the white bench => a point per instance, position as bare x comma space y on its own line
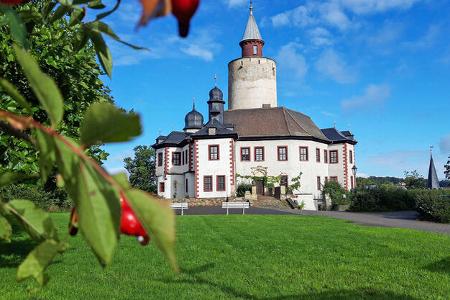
181, 206
242, 205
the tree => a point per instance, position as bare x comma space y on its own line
99, 198
413, 180
142, 169
76, 73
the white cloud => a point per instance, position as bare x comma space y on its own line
236, 3
320, 37
335, 13
375, 6
291, 60
444, 144
198, 51
373, 96
332, 65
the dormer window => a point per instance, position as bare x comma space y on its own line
255, 50
212, 131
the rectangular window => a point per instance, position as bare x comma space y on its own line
162, 187
207, 183
318, 155
282, 153
325, 156
160, 159
245, 154
319, 185
220, 182
182, 158
213, 152
259, 153
187, 156
255, 50
334, 178
186, 187
351, 156
176, 158
333, 157
303, 153
284, 180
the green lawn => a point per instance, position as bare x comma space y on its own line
263, 257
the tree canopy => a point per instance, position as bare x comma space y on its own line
75, 71
142, 169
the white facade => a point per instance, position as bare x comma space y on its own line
252, 83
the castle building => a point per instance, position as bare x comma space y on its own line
210, 158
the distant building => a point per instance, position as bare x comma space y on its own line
203, 160
433, 180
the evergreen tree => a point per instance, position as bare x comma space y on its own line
142, 168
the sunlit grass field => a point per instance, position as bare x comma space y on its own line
249, 257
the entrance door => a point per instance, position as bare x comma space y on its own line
259, 186
284, 180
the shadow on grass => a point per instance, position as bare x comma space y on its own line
441, 266
12, 254
194, 279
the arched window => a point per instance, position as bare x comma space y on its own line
255, 50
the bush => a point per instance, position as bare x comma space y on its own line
56, 200
337, 193
242, 188
433, 205
383, 198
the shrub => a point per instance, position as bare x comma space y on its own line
56, 200
337, 193
383, 198
242, 188
433, 205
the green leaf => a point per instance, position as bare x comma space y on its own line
103, 52
35, 221
105, 123
47, 154
122, 180
38, 260
96, 201
103, 27
96, 4
15, 94
61, 11
158, 219
6, 178
5, 229
76, 16
43, 86
17, 28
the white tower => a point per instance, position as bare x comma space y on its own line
252, 79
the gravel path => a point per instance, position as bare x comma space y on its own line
403, 219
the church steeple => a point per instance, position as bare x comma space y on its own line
252, 42
433, 181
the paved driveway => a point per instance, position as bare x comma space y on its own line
403, 219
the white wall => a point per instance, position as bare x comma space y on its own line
292, 167
206, 167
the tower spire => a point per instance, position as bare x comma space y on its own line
252, 42
433, 180
251, 7
193, 103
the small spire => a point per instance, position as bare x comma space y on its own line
215, 80
251, 7
193, 103
431, 150
334, 124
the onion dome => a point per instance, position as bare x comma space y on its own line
193, 119
215, 94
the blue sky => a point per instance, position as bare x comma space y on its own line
380, 68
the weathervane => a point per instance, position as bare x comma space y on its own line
251, 7
215, 80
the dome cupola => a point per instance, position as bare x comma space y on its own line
193, 120
216, 104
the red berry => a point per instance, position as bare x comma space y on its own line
183, 10
130, 225
13, 2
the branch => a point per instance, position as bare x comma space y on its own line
7, 128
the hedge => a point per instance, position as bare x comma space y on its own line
384, 198
433, 205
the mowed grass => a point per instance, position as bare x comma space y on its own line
248, 257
